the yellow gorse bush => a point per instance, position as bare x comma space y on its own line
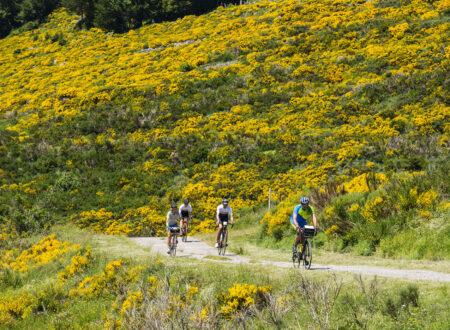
116, 275
78, 264
239, 297
47, 250
15, 307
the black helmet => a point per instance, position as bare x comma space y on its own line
225, 201
186, 201
174, 206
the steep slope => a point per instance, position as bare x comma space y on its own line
292, 95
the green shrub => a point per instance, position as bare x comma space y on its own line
417, 243
363, 248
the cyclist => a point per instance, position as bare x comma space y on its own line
172, 221
223, 213
298, 220
185, 212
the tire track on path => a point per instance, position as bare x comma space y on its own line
194, 248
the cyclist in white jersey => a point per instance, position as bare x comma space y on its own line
172, 221
223, 213
185, 210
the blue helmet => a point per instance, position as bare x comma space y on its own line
304, 200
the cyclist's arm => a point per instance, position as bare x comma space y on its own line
314, 220
295, 220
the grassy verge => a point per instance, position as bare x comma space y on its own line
270, 298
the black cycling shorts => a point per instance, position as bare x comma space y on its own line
185, 214
223, 217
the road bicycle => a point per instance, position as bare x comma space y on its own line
184, 229
173, 240
304, 255
223, 238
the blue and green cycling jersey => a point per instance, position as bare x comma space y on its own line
302, 215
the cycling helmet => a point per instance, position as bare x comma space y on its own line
304, 200
225, 201
174, 206
186, 201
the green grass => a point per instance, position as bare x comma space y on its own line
213, 278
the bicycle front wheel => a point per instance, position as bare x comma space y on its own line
173, 245
307, 255
224, 242
184, 239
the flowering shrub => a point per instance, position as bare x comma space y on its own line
47, 250
15, 307
240, 297
79, 263
113, 279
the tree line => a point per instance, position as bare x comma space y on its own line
112, 15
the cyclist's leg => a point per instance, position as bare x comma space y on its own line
168, 237
218, 232
294, 247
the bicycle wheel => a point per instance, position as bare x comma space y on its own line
307, 255
224, 242
184, 238
173, 245
219, 248
294, 259
298, 257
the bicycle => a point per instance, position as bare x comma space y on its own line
304, 256
223, 239
173, 241
184, 229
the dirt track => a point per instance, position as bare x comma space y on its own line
196, 249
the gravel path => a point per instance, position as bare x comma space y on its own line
196, 249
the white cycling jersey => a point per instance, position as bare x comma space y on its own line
185, 208
224, 210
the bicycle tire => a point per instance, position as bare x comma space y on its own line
299, 257
294, 259
307, 255
224, 242
184, 238
219, 248
173, 245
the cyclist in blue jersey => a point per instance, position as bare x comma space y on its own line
299, 217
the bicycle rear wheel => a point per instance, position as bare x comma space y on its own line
307, 255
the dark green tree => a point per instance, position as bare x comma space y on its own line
173, 9
84, 8
8, 13
36, 10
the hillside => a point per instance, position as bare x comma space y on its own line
346, 101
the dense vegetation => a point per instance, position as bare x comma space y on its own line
105, 282
345, 101
114, 15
